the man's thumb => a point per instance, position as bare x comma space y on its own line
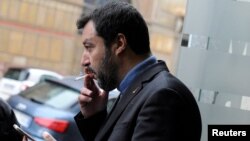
48, 137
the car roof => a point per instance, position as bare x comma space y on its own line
68, 82
36, 73
33, 69
40, 72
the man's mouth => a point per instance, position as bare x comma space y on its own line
87, 70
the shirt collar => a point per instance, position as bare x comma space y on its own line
136, 70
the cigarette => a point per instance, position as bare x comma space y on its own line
80, 77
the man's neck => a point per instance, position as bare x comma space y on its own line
128, 63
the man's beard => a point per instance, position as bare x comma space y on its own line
108, 72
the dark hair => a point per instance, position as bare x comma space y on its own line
120, 17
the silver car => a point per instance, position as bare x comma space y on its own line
17, 79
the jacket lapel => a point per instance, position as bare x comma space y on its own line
130, 93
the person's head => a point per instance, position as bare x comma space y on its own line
111, 33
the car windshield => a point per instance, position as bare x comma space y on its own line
52, 94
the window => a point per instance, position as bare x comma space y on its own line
43, 47
15, 42
52, 94
16, 74
13, 9
29, 44
4, 6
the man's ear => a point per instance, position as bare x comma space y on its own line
121, 43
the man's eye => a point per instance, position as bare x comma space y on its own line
88, 47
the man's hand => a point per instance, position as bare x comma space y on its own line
48, 137
92, 98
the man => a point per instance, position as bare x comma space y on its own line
153, 104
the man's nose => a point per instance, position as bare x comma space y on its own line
85, 61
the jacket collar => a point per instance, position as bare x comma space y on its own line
136, 70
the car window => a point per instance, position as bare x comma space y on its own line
16, 74
52, 94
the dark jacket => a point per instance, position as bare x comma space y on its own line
155, 107
7, 119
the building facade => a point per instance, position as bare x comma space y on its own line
42, 33
39, 33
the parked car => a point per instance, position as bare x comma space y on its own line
50, 106
17, 79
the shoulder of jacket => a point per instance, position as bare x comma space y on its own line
5, 109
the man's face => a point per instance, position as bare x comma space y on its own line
97, 58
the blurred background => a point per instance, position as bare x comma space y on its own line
40, 51
42, 33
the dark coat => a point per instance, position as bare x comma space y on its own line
7, 119
155, 107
